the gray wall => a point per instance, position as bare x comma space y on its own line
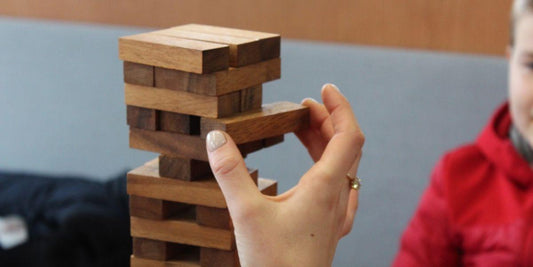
62, 112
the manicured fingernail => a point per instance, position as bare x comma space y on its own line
309, 99
331, 85
215, 139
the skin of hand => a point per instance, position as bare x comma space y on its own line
302, 226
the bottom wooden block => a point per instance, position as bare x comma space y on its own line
158, 250
210, 257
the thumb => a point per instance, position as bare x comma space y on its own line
230, 171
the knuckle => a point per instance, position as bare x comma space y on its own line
225, 165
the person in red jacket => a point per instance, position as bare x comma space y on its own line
478, 208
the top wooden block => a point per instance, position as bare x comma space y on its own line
246, 47
174, 53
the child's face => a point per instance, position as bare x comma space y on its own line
521, 77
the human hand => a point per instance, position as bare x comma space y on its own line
302, 226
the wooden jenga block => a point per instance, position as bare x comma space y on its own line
210, 257
182, 102
139, 74
251, 98
174, 53
270, 43
273, 120
156, 209
242, 51
268, 187
220, 82
142, 118
145, 181
182, 231
180, 145
268, 142
213, 217
157, 250
179, 123
185, 169
185, 260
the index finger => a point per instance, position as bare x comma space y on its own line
346, 142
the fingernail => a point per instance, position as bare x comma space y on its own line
215, 139
331, 85
309, 99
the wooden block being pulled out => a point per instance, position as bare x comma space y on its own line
220, 82
180, 145
182, 102
273, 120
145, 181
174, 53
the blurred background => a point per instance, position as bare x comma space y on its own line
423, 77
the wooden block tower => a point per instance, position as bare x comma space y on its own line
181, 83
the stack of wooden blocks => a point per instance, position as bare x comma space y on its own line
180, 84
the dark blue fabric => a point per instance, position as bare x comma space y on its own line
72, 221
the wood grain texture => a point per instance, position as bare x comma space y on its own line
189, 261
173, 144
180, 145
157, 250
145, 181
174, 53
179, 123
273, 141
139, 74
252, 98
474, 26
185, 169
210, 257
273, 120
242, 51
269, 42
213, 217
220, 82
183, 232
142, 118
182, 102
155, 209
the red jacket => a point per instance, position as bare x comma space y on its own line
478, 208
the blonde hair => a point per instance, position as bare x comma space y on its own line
518, 9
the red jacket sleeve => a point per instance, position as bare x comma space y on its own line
429, 239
